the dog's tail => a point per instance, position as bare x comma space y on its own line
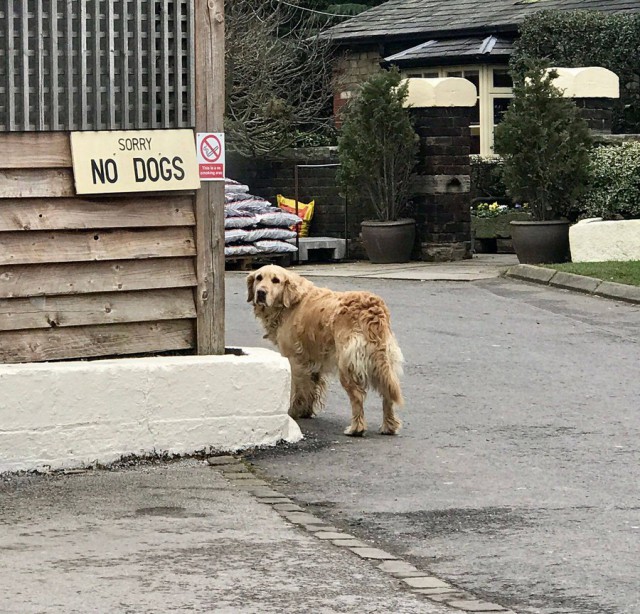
387, 369
376, 363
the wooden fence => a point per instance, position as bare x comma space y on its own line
88, 277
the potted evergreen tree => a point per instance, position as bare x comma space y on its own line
545, 145
377, 151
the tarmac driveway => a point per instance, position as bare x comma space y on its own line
516, 474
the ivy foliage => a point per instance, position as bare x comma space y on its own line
378, 146
587, 38
614, 189
545, 144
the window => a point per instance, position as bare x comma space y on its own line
494, 87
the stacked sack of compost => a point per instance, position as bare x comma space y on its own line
252, 225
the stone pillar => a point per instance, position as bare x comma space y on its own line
441, 109
593, 89
442, 183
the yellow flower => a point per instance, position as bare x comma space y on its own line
493, 207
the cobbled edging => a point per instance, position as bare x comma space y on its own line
415, 580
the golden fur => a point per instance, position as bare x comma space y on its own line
321, 331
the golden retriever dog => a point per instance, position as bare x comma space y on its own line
321, 331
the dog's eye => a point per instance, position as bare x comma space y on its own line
275, 280
259, 277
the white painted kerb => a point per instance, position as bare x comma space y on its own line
69, 414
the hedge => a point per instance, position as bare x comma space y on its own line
587, 38
614, 186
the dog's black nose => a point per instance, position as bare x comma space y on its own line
261, 296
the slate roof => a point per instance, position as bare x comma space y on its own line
402, 19
476, 47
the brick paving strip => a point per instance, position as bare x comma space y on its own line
418, 582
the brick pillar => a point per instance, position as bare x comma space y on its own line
598, 112
442, 182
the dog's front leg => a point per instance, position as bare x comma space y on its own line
302, 391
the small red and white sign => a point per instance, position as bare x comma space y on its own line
210, 153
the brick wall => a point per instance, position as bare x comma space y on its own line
269, 177
352, 69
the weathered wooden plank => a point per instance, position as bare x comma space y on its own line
36, 183
88, 309
96, 77
68, 246
83, 55
35, 150
68, 76
24, 65
53, 58
10, 68
39, 85
209, 60
82, 213
111, 64
152, 72
79, 278
93, 341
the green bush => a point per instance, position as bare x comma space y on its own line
378, 145
614, 188
545, 146
486, 178
587, 38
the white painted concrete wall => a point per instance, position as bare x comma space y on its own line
70, 414
595, 240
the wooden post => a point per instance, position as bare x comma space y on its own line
210, 100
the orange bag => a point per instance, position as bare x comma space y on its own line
305, 212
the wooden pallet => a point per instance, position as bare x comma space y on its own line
247, 263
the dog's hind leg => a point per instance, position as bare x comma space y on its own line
390, 422
387, 367
357, 394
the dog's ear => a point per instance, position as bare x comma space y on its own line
291, 292
250, 281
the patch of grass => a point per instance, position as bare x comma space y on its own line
618, 272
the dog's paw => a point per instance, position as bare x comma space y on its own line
390, 426
353, 432
384, 430
302, 414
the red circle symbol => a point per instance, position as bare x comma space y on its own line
211, 148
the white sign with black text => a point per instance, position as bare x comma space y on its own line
134, 161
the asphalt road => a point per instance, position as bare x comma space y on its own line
517, 473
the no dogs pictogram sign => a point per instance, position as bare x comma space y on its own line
210, 150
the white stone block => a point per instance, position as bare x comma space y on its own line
446, 92
69, 414
595, 240
587, 82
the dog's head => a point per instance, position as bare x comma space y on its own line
273, 286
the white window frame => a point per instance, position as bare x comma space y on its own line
487, 93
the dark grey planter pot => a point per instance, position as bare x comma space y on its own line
388, 242
541, 242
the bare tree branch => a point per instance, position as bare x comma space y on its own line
278, 77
